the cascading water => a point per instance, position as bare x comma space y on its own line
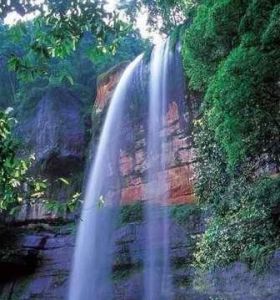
157, 276
91, 274
91, 277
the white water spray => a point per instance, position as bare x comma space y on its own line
91, 274
157, 276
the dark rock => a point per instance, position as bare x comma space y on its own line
17, 258
130, 289
50, 278
18, 264
56, 133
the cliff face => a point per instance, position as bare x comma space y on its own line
40, 267
106, 85
178, 146
179, 172
55, 133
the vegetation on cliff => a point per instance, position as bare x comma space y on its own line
15, 182
231, 55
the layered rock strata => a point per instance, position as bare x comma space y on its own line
133, 165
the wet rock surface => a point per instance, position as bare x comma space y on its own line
178, 146
56, 133
54, 247
49, 278
107, 83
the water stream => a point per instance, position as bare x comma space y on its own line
93, 258
157, 282
91, 272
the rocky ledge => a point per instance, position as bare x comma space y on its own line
40, 266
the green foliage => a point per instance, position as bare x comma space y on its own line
23, 88
211, 170
231, 55
123, 272
63, 208
210, 38
245, 229
15, 184
131, 213
242, 226
243, 96
184, 212
163, 15
58, 29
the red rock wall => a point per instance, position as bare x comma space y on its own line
106, 85
133, 165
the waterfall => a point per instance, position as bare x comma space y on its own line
157, 282
91, 274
